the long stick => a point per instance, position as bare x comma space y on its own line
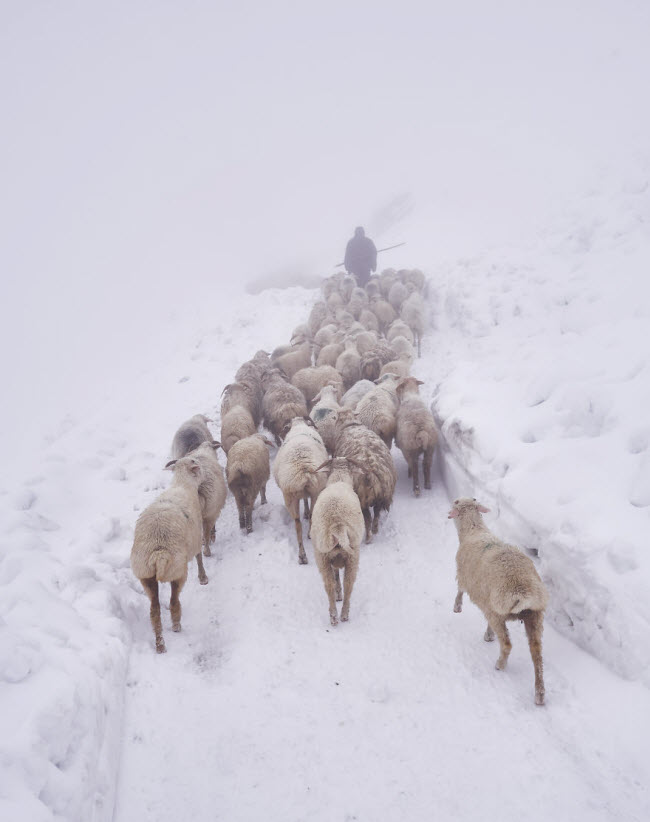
379, 250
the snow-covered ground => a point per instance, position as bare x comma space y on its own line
260, 707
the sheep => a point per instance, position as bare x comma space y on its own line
378, 408
348, 364
295, 472
249, 376
334, 302
167, 535
374, 483
368, 320
397, 295
416, 431
235, 425
365, 340
243, 395
401, 367
293, 361
502, 581
357, 302
347, 287
337, 527
190, 435
416, 277
386, 279
384, 312
344, 319
324, 336
401, 345
399, 328
282, 402
329, 354
374, 358
413, 315
358, 390
300, 334
247, 472
323, 414
311, 380
212, 490
317, 317
372, 286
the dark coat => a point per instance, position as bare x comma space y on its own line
360, 258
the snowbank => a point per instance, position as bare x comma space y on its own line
543, 382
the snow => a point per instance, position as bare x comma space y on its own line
175, 181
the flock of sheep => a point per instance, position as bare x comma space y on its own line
334, 399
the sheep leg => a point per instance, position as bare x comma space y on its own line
498, 625
207, 532
242, 514
306, 501
313, 500
426, 468
416, 474
458, 602
213, 534
348, 584
419, 345
410, 472
534, 626
175, 605
328, 581
248, 519
203, 577
368, 522
337, 583
263, 495
151, 590
375, 519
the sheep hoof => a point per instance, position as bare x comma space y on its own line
176, 627
334, 620
344, 616
416, 490
207, 552
488, 636
160, 647
427, 486
501, 664
203, 580
302, 559
458, 609
249, 530
539, 698
368, 539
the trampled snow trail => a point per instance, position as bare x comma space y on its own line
261, 710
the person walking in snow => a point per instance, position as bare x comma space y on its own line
360, 257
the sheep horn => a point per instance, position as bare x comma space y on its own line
170, 465
327, 462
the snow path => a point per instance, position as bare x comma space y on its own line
261, 710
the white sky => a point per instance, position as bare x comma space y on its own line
155, 154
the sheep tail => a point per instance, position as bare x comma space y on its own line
341, 540
160, 560
422, 440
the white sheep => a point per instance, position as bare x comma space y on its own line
295, 472
299, 357
377, 409
414, 316
348, 364
167, 535
502, 581
374, 482
248, 470
329, 354
351, 397
282, 402
415, 431
235, 425
190, 435
337, 528
323, 414
212, 490
384, 312
311, 380
399, 329
397, 295
400, 367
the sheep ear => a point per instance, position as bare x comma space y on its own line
324, 465
267, 441
170, 465
195, 467
483, 509
419, 382
216, 444
453, 514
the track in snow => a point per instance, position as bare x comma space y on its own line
261, 710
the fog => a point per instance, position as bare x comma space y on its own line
158, 155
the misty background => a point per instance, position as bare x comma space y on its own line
157, 156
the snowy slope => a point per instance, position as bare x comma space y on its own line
260, 707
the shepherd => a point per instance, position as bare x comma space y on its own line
360, 256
